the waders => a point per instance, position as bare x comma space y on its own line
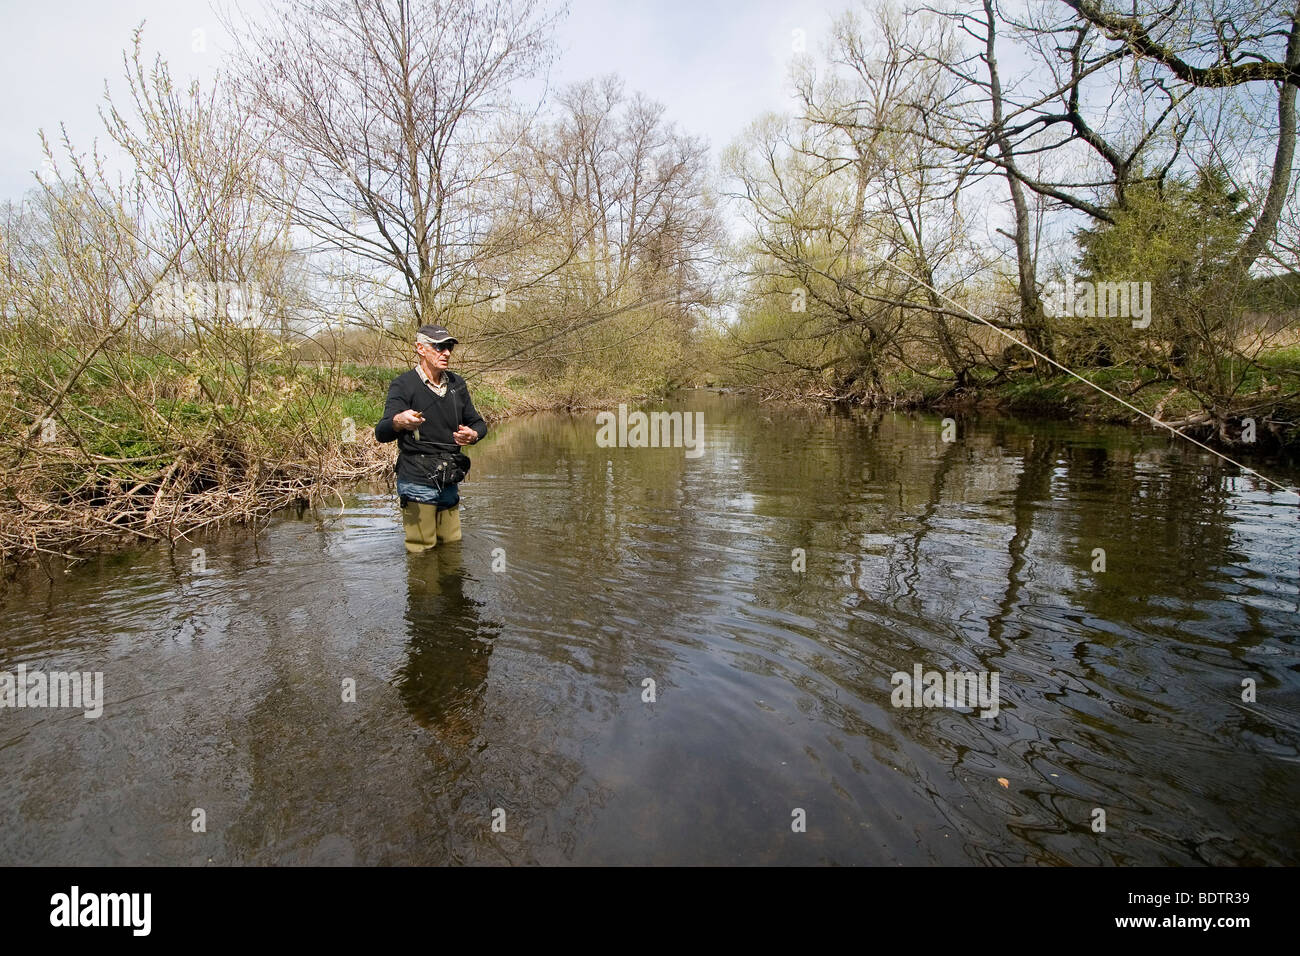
427, 525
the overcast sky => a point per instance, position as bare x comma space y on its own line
715, 64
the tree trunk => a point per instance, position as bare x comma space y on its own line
1037, 332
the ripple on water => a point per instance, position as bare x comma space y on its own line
622, 654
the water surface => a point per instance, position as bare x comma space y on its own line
504, 678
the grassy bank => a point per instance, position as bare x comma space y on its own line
131, 449
1267, 394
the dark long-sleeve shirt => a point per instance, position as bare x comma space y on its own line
442, 416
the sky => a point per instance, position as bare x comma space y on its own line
716, 65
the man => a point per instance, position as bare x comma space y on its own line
430, 415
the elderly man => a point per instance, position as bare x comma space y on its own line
430, 415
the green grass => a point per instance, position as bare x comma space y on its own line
487, 400
1284, 359
364, 409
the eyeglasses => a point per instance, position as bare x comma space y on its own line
441, 346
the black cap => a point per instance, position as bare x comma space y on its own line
436, 334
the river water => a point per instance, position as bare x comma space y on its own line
639, 655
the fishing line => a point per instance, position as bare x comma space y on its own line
1129, 405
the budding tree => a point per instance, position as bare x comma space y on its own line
390, 119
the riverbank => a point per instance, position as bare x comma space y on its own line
146, 453
154, 451
137, 450
1262, 418
1269, 396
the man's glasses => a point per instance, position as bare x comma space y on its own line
441, 346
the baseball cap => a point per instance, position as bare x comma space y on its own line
435, 335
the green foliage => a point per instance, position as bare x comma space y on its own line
1180, 236
1180, 233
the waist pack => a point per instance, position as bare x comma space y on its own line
441, 468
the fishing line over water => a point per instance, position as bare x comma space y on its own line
1029, 348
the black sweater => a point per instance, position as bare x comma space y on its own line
442, 416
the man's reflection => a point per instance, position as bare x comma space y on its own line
446, 670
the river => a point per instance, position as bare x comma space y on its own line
640, 655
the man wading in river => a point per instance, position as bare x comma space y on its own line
430, 415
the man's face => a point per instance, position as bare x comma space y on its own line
433, 358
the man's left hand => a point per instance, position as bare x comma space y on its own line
465, 435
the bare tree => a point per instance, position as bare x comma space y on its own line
890, 107
617, 267
387, 117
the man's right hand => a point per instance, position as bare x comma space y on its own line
408, 421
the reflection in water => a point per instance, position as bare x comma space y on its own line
448, 646
521, 690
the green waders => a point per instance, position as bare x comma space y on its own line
427, 525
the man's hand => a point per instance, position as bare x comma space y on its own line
408, 421
465, 435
